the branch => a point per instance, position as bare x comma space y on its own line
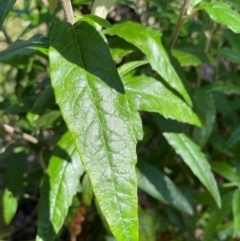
179, 24
67, 9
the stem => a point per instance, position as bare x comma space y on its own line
67, 9
179, 24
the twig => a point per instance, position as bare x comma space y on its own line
8, 39
179, 24
67, 9
25, 136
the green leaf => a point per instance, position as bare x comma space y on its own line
126, 68
14, 173
236, 213
87, 192
148, 41
225, 170
120, 48
149, 94
222, 13
91, 97
10, 205
187, 58
231, 54
147, 230
234, 137
224, 87
5, 7
205, 107
101, 21
218, 215
58, 188
22, 48
159, 186
195, 159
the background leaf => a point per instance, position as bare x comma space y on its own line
96, 111
149, 94
236, 213
222, 13
159, 186
195, 159
5, 7
59, 186
148, 41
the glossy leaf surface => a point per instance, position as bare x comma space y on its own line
222, 13
148, 41
59, 186
92, 100
195, 159
149, 94
5, 7
159, 186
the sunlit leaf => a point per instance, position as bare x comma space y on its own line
236, 213
151, 95
222, 13
148, 41
59, 186
94, 106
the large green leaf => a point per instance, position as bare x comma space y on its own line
91, 97
5, 7
222, 13
60, 185
236, 213
218, 215
151, 95
21, 48
159, 186
195, 159
148, 41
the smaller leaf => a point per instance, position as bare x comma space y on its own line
101, 21
224, 87
234, 137
126, 68
148, 40
218, 215
14, 173
195, 159
146, 225
225, 170
21, 48
59, 186
149, 94
188, 58
10, 205
236, 213
87, 191
222, 13
231, 54
159, 186
5, 7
